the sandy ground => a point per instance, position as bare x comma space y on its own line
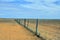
10, 30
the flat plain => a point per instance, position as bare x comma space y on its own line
49, 29
11, 30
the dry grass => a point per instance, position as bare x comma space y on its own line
47, 31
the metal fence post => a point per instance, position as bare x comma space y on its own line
19, 21
27, 22
37, 27
24, 22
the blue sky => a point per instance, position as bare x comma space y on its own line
42, 9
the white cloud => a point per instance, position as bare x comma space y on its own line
38, 8
29, 0
6, 0
46, 5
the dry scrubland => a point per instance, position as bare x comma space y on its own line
10, 30
48, 29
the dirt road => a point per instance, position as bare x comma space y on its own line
10, 30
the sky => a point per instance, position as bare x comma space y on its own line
42, 9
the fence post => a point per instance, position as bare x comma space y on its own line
27, 22
24, 22
19, 21
37, 27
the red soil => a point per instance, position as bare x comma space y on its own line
10, 30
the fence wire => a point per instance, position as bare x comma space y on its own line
33, 25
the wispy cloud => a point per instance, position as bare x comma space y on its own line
37, 4
30, 9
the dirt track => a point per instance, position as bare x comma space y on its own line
10, 30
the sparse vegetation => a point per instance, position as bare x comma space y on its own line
48, 28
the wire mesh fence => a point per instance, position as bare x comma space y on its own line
40, 28
28, 23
